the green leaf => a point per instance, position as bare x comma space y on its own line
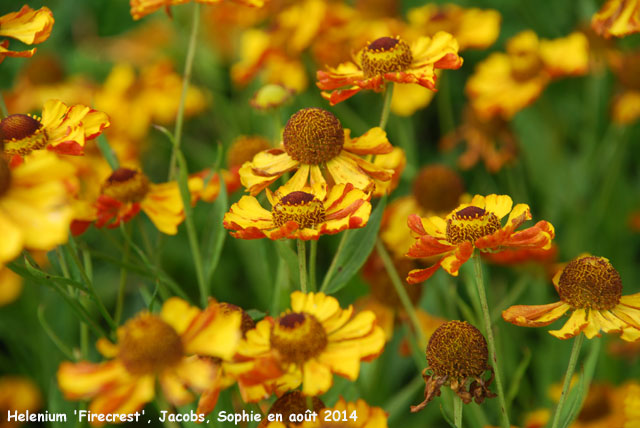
290, 258
255, 314
215, 239
517, 377
578, 393
356, 250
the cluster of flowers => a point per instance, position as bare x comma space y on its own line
318, 180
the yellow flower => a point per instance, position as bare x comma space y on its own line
617, 18
473, 28
127, 191
271, 96
18, 394
27, 25
315, 144
389, 59
299, 214
457, 353
504, 84
591, 289
473, 226
174, 348
140, 8
306, 345
35, 209
62, 129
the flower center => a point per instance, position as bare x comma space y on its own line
313, 136
5, 176
293, 403
298, 336
438, 188
147, 344
243, 149
126, 185
22, 134
303, 208
458, 350
386, 55
590, 282
470, 224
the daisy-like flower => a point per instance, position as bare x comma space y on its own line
591, 288
27, 25
473, 226
127, 191
390, 59
457, 354
173, 348
140, 8
617, 18
299, 214
35, 207
315, 144
306, 345
62, 129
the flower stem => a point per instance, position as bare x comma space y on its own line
386, 106
186, 78
573, 360
117, 316
457, 411
334, 262
3, 106
402, 293
313, 251
486, 317
302, 264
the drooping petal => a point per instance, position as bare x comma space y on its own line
536, 315
577, 322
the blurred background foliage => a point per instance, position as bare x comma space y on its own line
575, 168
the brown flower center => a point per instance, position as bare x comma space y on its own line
5, 176
243, 149
438, 188
458, 350
246, 322
470, 224
293, 403
298, 336
21, 134
126, 185
386, 55
313, 136
590, 282
303, 208
147, 344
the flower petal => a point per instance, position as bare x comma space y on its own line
574, 326
536, 315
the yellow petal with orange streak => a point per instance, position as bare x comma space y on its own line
628, 314
429, 50
519, 215
178, 314
174, 390
344, 170
435, 226
574, 326
248, 212
374, 142
124, 398
298, 181
198, 373
535, 315
107, 348
602, 321
85, 380
632, 300
359, 326
316, 378
214, 335
27, 25
344, 357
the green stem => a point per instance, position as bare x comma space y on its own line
107, 152
123, 281
486, 317
313, 252
334, 262
457, 411
386, 106
302, 264
281, 276
402, 293
54, 337
3, 106
573, 360
186, 78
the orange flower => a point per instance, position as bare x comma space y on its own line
127, 191
617, 18
315, 144
306, 346
299, 214
27, 25
390, 59
140, 8
592, 289
473, 226
504, 84
173, 348
62, 129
